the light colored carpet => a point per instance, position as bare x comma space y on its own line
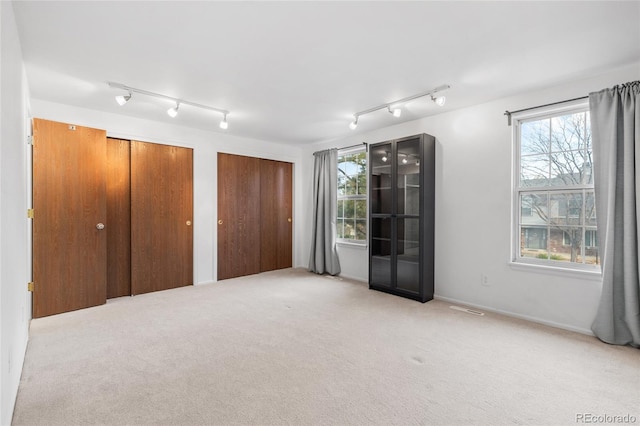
293, 348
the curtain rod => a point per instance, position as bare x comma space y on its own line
344, 147
508, 113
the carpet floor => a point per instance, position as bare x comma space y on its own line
293, 348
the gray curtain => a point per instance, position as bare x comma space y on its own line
324, 257
615, 126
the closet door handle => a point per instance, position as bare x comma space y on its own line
100, 226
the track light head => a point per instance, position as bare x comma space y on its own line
173, 111
354, 123
440, 100
224, 124
397, 112
123, 99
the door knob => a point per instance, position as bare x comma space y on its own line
188, 223
219, 221
100, 226
289, 220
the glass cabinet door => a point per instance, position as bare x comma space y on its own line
408, 221
380, 160
408, 196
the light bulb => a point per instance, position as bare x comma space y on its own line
404, 161
384, 158
396, 111
224, 124
173, 111
440, 100
353, 124
123, 99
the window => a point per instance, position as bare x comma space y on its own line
352, 195
554, 196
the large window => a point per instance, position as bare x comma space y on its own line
555, 223
352, 195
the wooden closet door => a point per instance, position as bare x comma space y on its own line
161, 215
118, 218
238, 216
276, 218
69, 201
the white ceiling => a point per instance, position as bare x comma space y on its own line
296, 72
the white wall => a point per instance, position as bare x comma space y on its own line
15, 306
473, 211
206, 145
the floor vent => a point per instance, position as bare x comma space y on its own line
469, 311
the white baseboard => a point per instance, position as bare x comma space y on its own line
350, 277
519, 316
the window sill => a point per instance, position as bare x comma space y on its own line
351, 244
591, 275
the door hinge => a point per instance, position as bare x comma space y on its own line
30, 213
30, 286
30, 140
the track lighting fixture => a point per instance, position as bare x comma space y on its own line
173, 111
440, 100
384, 158
123, 99
405, 161
396, 111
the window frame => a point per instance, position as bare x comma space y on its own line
341, 153
544, 265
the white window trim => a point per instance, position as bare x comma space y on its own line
533, 264
347, 241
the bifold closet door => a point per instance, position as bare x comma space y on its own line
238, 216
161, 217
276, 180
70, 221
118, 218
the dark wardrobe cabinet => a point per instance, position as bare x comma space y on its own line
401, 216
